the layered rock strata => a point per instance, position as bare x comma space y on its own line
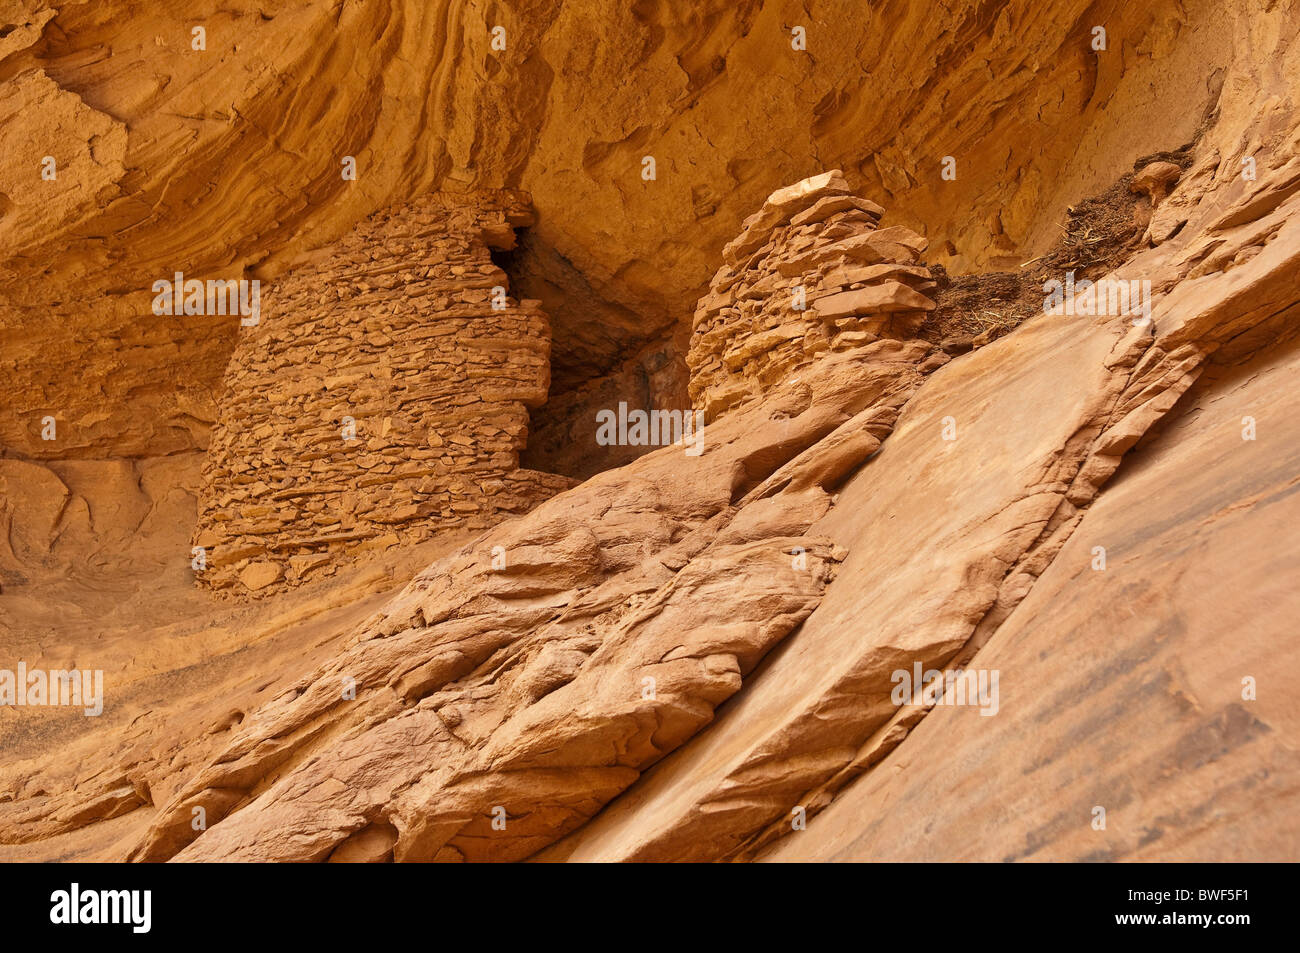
1195, 603
217, 159
1122, 677
810, 272
498, 705
521, 683
382, 397
530, 677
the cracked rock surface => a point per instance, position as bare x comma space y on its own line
682, 652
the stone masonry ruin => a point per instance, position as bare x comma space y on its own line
810, 272
382, 398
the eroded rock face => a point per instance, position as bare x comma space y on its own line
532, 676
545, 667
381, 398
225, 163
972, 546
675, 659
1154, 729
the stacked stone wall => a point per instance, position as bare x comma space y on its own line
382, 398
810, 272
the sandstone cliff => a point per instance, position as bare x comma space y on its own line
471, 629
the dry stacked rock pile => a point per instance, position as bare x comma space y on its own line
810, 272
393, 333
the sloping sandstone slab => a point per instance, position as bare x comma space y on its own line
531, 677
947, 538
1127, 688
